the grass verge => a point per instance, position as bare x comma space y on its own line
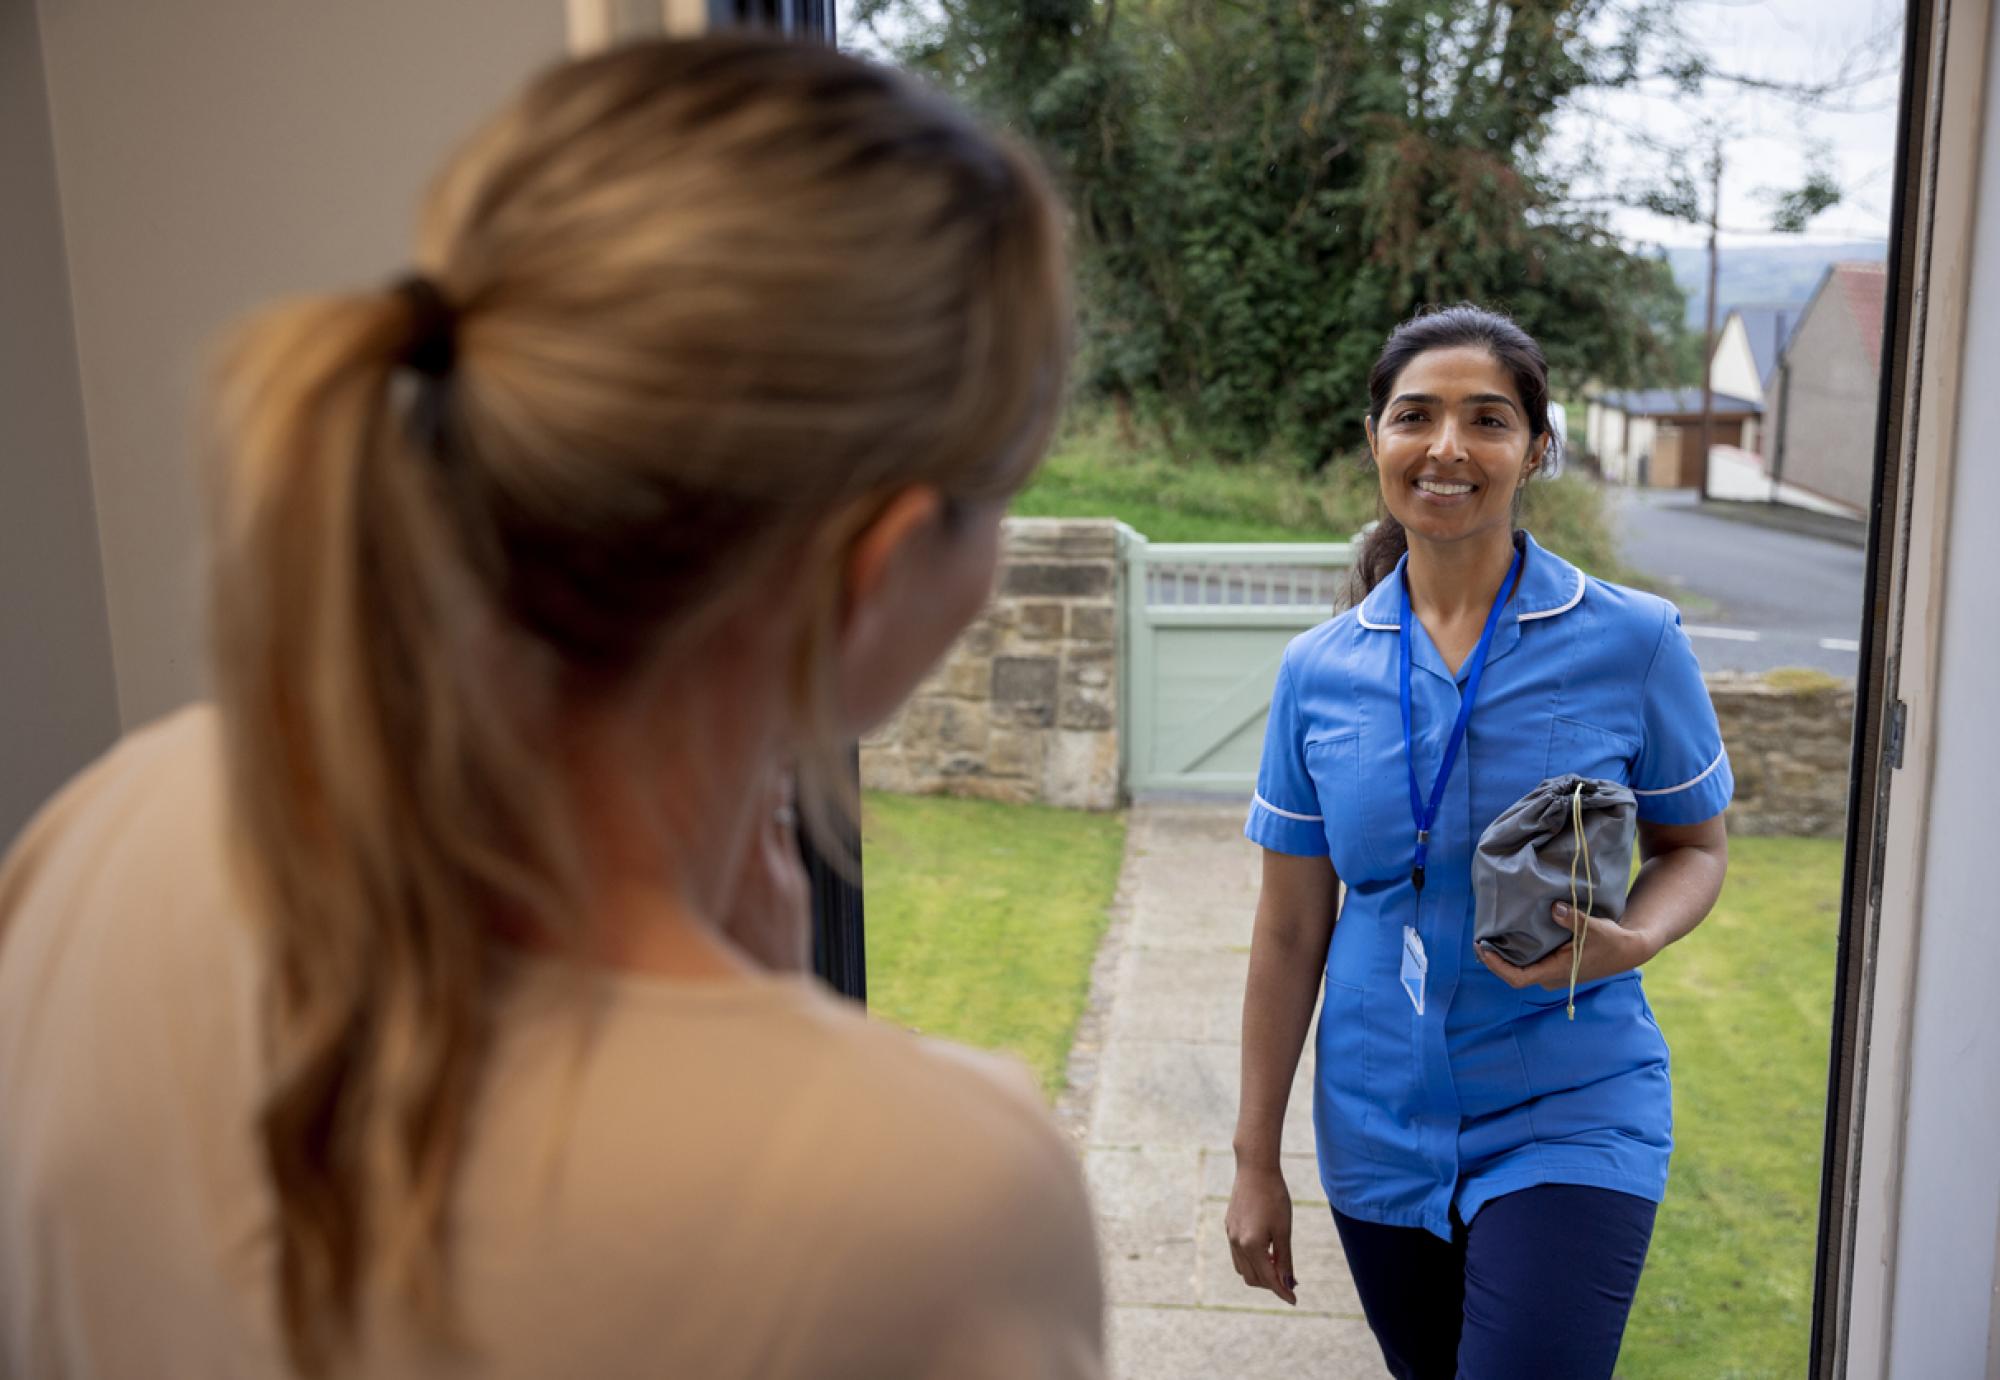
983, 919
1168, 497
1746, 1002
1093, 472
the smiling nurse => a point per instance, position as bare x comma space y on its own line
1493, 1166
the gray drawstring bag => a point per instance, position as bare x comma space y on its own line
1528, 860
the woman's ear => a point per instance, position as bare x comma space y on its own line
881, 553
911, 581
1538, 453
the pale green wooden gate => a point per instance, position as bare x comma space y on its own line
1204, 626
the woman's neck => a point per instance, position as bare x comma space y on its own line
667, 807
1455, 581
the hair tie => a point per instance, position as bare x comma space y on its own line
432, 347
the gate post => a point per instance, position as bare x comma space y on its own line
1135, 742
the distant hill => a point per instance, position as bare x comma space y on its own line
1765, 274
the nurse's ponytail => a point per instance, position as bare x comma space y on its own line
1382, 545
1446, 328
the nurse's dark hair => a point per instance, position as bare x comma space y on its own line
1444, 328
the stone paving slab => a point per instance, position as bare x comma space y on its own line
1146, 1223
1218, 1176
1181, 994
1219, 1344
1220, 926
1324, 1284
1163, 1064
1177, 1092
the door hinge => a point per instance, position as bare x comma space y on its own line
1892, 748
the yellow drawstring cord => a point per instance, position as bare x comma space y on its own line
1580, 919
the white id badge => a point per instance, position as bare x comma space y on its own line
1415, 966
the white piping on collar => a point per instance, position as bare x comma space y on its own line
1685, 785
1574, 599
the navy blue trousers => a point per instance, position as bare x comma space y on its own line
1537, 1286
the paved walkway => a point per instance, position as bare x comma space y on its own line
1153, 1102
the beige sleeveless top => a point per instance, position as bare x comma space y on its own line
743, 1178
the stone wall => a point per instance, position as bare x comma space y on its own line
1790, 740
1025, 706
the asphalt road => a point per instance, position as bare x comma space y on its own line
1751, 598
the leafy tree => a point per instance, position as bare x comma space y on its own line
1264, 188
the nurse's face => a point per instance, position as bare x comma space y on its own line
1453, 446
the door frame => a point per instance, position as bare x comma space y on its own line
1927, 304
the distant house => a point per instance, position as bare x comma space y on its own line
1823, 398
1652, 435
1749, 349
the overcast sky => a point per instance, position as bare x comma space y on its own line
1773, 139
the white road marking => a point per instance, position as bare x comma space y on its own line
1839, 644
1724, 634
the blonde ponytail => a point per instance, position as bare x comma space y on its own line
381, 795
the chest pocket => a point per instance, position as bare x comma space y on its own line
1587, 750
1354, 817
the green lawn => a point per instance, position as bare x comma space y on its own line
983, 919
1746, 1003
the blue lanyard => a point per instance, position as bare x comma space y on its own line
1426, 814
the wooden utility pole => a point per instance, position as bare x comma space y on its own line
1708, 332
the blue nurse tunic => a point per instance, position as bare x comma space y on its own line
1489, 1089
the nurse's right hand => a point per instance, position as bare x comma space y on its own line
1259, 1226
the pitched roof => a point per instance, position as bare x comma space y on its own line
1673, 402
1769, 329
1864, 287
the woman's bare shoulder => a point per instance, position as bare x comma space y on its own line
933, 1090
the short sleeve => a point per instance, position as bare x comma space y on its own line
1284, 814
1682, 775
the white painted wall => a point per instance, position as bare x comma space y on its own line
1599, 431
1733, 368
1617, 445
1639, 442
1739, 474
212, 154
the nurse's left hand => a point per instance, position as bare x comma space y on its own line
1608, 949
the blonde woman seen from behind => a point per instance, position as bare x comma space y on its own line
431, 1003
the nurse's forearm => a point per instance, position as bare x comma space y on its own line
1277, 1013
1678, 884
1287, 955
